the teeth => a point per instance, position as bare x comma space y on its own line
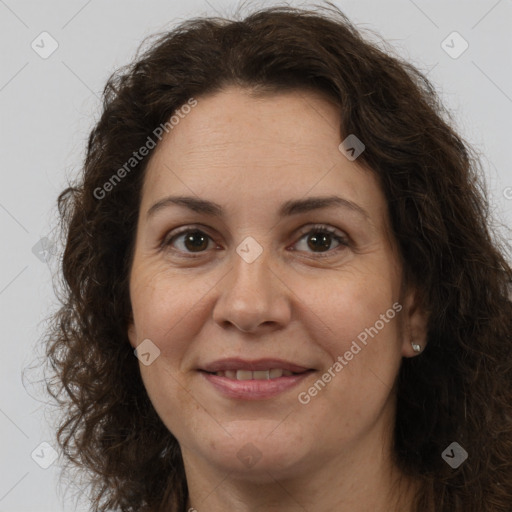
272, 373
265, 374
243, 375
276, 372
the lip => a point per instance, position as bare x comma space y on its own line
254, 389
255, 365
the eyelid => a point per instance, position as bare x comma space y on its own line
174, 233
323, 227
341, 237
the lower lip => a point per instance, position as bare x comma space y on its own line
254, 389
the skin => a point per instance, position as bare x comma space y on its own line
298, 301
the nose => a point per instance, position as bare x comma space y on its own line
253, 297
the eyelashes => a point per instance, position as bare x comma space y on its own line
197, 238
324, 231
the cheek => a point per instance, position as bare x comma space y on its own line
350, 306
168, 308
354, 317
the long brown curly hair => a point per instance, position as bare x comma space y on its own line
458, 389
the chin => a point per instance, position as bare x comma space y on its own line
257, 452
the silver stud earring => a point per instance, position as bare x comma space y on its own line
416, 347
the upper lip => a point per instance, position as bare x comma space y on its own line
253, 365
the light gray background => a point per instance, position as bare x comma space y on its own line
48, 107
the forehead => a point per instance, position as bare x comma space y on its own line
249, 153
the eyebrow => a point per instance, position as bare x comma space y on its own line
289, 208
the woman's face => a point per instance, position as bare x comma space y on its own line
305, 327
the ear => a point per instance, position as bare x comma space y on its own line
415, 323
132, 333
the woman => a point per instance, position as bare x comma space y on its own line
276, 220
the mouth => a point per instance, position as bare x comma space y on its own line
253, 380
270, 373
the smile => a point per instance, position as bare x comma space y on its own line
273, 373
255, 385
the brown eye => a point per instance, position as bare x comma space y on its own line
189, 241
319, 239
